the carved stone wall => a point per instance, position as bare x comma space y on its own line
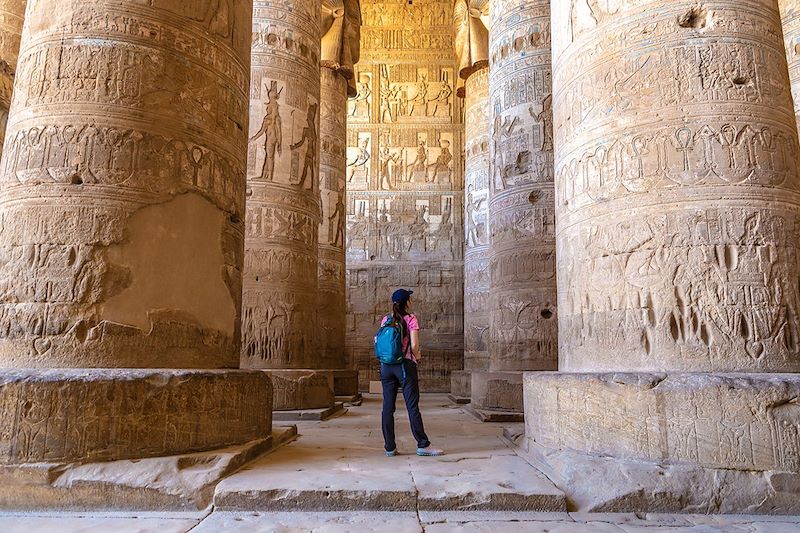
790, 15
12, 15
283, 204
405, 184
678, 193
476, 224
523, 322
333, 164
121, 190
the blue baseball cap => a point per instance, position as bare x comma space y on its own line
401, 295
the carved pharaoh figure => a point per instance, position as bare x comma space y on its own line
272, 131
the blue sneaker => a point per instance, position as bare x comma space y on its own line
430, 451
391, 453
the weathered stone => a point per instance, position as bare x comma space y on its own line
12, 15
345, 382
471, 23
405, 185
790, 17
736, 421
108, 414
522, 295
302, 389
461, 384
121, 188
283, 205
497, 390
678, 218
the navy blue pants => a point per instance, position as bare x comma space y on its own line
392, 379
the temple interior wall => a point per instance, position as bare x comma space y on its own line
405, 183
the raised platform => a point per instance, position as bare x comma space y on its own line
92, 415
461, 383
668, 442
302, 389
177, 483
497, 396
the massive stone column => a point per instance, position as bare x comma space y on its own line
522, 294
678, 223
280, 325
121, 233
341, 24
472, 52
790, 15
12, 15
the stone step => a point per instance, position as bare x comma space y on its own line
319, 474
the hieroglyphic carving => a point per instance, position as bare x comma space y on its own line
677, 188
122, 188
522, 302
790, 18
476, 221
12, 15
405, 183
284, 204
106, 415
747, 422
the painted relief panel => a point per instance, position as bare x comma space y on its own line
405, 183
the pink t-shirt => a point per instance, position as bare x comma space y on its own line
412, 325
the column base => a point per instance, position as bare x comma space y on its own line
641, 442
178, 483
93, 415
297, 390
499, 392
345, 383
326, 413
460, 386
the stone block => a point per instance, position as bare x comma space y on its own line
345, 382
375, 387
500, 391
105, 415
461, 383
747, 422
302, 389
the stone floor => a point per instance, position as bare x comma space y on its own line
334, 478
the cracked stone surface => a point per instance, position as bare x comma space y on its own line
339, 465
345, 454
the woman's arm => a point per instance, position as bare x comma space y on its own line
415, 345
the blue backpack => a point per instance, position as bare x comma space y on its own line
389, 343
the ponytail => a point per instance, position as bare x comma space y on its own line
398, 315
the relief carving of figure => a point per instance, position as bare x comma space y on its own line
473, 235
272, 130
359, 104
387, 160
442, 163
441, 102
420, 98
361, 161
341, 41
310, 139
338, 216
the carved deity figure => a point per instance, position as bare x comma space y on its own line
441, 102
442, 163
339, 213
418, 229
420, 98
387, 160
419, 164
390, 97
473, 237
545, 118
359, 104
310, 138
361, 161
271, 129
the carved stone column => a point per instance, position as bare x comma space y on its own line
121, 234
522, 295
341, 22
678, 224
280, 324
12, 15
790, 15
472, 51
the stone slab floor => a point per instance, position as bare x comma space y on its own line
334, 478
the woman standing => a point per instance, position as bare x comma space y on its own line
405, 376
